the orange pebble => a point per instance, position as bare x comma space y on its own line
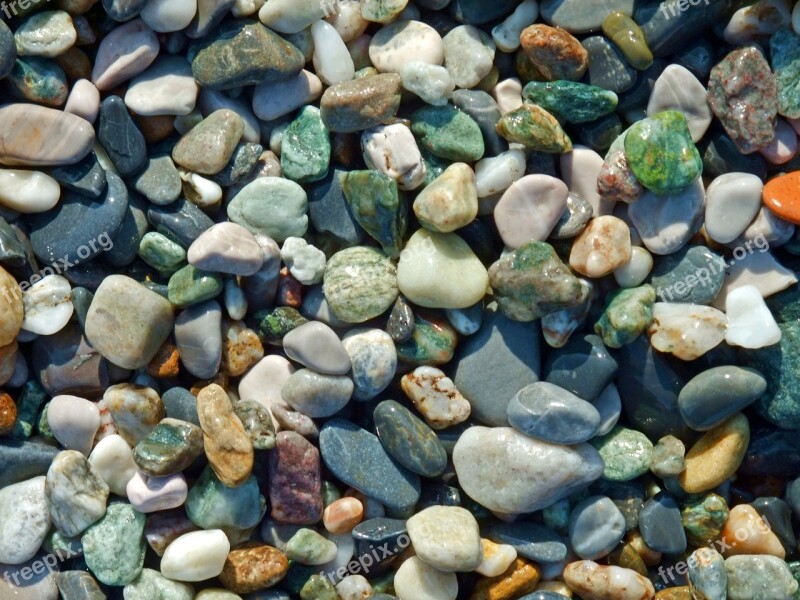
782, 196
746, 532
8, 414
342, 515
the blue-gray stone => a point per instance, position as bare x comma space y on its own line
181, 404
210, 13
661, 526
495, 363
12, 250
181, 221
382, 539
330, 212
793, 496
550, 413
409, 440
699, 56
8, 50
212, 505
670, 25
579, 16
86, 177
608, 68
627, 495
24, 460
123, 10
357, 458
126, 241
778, 515
693, 275
120, 137
582, 366
477, 12
772, 452
638, 95
159, 182
438, 495
72, 230
717, 393
596, 526
466, 321
484, 110
531, 540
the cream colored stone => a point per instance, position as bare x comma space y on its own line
686, 330
435, 396
450, 201
603, 246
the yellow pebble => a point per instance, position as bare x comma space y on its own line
716, 456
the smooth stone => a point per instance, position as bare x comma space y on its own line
576, 17
213, 505
373, 359
378, 205
435, 397
609, 405
432, 83
169, 448
785, 60
159, 180
530, 209
112, 458
534, 128
286, 17
76, 493
759, 269
274, 100
530, 540
25, 512
392, 150
716, 455
305, 262
581, 169
306, 148
271, 206
123, 10
750, 575
439, 270
693, 275
707, 574
161, 253
629, 38
48, 305
28, 191
225, 59
750, 322
447, 538
596, 526
190, 286
416, 579
408, 440
400, 324
210, 101
668, 455
547, 412
74, 422
253, 567
627, 453
36, 136
83, 100
583, 367
257, 422
677, 89
295, 480
165, 88
331, 58
226, 248
405, 41
152, 584
573, 102
607, 67
180, 404
124, 53
38, 80
553, 53
783, 147
208, 147
480, 105
686, 330
593, 581
210, 14
433, 341
114, 547
196, 556
466, 321
351, 106
603, 246
666, 223
24, 460
135, 409
778, 514
317, 346
329, 211
494, 175
166, 17
181, 221
342, 515
307, 547
8, 51
448, 133
317, 395
360, 284
628, 314
78, 584
120, 137
357, 458
762, 540
660, 525
381, 532
468, 55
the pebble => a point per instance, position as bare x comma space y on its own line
479, 105
76, 493
373, 359
74, 422
596, 526
712, 396
447, 538
666, 223
660, 525
752, 575
25, 512
351, 106
405, 41
750, 322
165, 88
547, 412
136, 410
554, 52
432, 83
732, 201
784, 57
627, 453
253, 567
171, 447
602, 247
114, 546
124, 53
271, 206
360, 283
468, 55
530, 209
608, 68
208, 147
317, 395
257, 423
306, 149
534, 128
416, 580
668, 455
48, 305
450, 201
332, 61
211, 504
196, 556
435, 397
707, 576
572, 102
198, 338
783, 147
759, 538
628, 314
686, 330
151, 584
296, 480
408, 440
342, 515
716, 455
112, 459
28, 191
307, 547
378, 205
677, 89
392, 150
595, 582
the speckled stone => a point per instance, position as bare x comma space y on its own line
608, 68
785, 59
626, 453
448, 133
253, 567
114, 547
553, 52
295, 480
362, 103
306, 147
753, 575
409, 440
360, 284
169, 448
76, 493
535, 128
433, 341
628, 314
574, 102
374, 361
257, 423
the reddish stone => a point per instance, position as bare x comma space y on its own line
290, 291
8, 414
295, 480
782, 196
556, 53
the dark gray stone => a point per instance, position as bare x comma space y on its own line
376, 537
181, 404
409, 440
668, 26
87, 177
661, 526
716, 394
530, 540
81, 301
608, 68
244, 159
8, 50
123, 10
181, 221
210, 13
673, 273
127, 239
120, 137
777, 516
550, 413
159, 182
583, 366
24, 460
12, 251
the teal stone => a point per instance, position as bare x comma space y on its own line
29, 401
785, 305
780, 364
161, 253
191, 285
661, 153
434, 166
448, 133
358, 459
114, 547
433, 341
627, 315
169, 448
152, 585
785, 57
212, 505
39, 80
703, 518
378, 205
271, 206
271, 324
600, 134
306, 147
693, 275
330, 493
409, 440
627, 453
711, 397
257, 424
571, 101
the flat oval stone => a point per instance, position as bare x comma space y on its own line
357, 458
74, 422
196, 556
25, 520
136, 410
28, 191
114, 547
317, 346
571, 101
495, 466
163, 16
295, 490
119, 136
583, 366
693, 274
77, 494
714, 395
446, 537
547, 412
594, 581
189, 286
360, 284
209, 145
530, 208
678, 89
352, 106
596, 526
48, 305
226, 248
660, 524
408, 440
315, 394
167, 87
374, 361
271, 206
124, 53
723, 446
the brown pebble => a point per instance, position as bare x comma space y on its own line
520, 579
343, 515
157, 128
166, 362
290, 291
252, 567
11, 311
556, 53
649, 556
241, 348
716, 456
75, 64
345, 149
626, 556
8, 414
8, 361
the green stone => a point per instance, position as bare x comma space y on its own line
271, 206
629, 38
43, 426
433, 342
243, 52
532, 281
570, 101
257, 423
434, 166
191, 285
114, 547
360, 284
152, 585
628, 314
535, 128
785, 52
169, 448
794, 567
307, 547
272, 324
378, 205
55, 541
212, 505
161, 253
39, 80
409, 440
627, 453
556, 516
330, 493
318, 588
448, 133
661, 153
704, 518
306, 147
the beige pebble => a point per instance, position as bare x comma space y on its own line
716, 456
11, 311
435, 396
746, 532
592, 581
342, 515
686, 330
603, 246
496, 558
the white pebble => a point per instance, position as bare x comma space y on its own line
497, 558
633, 273
579, 170
354, 587
151, 494
468, 55
200, 190
732, 201
784, 147
758, 268
332, 60
28, 191
347, 20
506, 34
48, 34
83, 100
495, 175
48, 305
392, 150
508, 95
196, 556
165, 16
306, 263
167, 87
530, 209
416, 580
687, 331
403, 42
293, 16
112, 458
432, 83
750, 322
677, 89
74, 422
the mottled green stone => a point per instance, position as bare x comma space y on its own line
627, 453
532, 282
785, 55
306, 147
628, 313
29, 402
703, 518
272, 324
257, 424
212, 505
191, 285
330, 493
307, 546
114, 547
661, 153
432, 343
152, 585
448, 133
318, 588
169, 448
378, 205
360, 284
409, 440
571, 101
535, 128
39, 80
629, 38
161, 253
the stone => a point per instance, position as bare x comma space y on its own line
593, 581
408, 440
152, 584
432, 83
25, 512
435, 397
208, 147
124, 53
573, 16
305, 262
190, 286
196, 556
596, 526
317, 395
342, 515
749, 575
747, 106
9, 50
629, 38
433, 341
257, 423
692, 275
582, 366
750, 323
114, 547
627, 453
534, 128
484, 110
74, 422
660, 524
602, 247
521, 577
724, 445
253, 567
295, 480
198, 338
129, 343
224, 60
468, 55
331, 57
113, 460
707, 574
668, 455
677, 89
211, 504
504, 451
627, 315
47, 34
307, 547
378, 206
571, 101
77, 495
405, 41
274, 100
450, 201
547, 412
417, 579
357, 458
136, 410
120, 137
360, 283
226, 248
447, 538
227, 446
530, 209
714, 395
306, 150
39, 80
271, 206
761, 539
28, 191
554, 53
785, 61
329, 211
169, 448
78, 584
448, 133
608, 68
359, 104
686, 330
374, 361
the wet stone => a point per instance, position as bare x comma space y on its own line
170, 448
408, 440
660, 524
550, 413
697, 267
114, 547
596, 526
211, 504
76, 493
531, 540
626, 453
608, 68
120, 137
583, 366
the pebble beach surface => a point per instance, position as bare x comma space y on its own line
399, 300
